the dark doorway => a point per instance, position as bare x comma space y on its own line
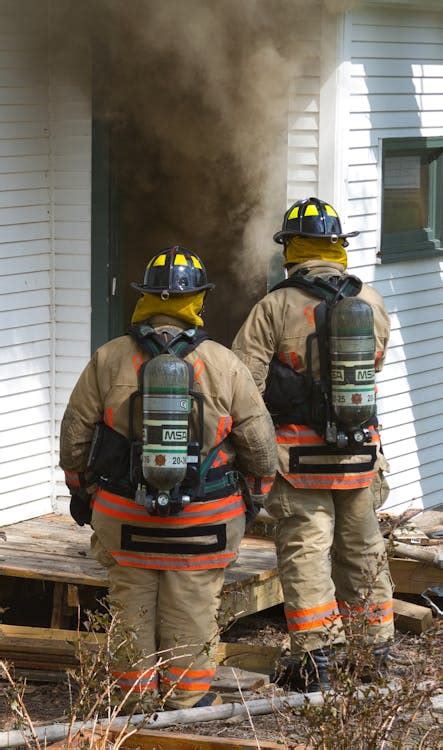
168, 169
139, 207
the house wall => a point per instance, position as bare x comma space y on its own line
392, 77
303, 119
44, 248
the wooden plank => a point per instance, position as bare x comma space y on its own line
148, 740
47, 567
412, 577
57, 648
234, 678
247, 656
412, 618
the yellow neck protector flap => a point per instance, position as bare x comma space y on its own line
184, 306
301, 249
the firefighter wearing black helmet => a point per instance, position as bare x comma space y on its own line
166, 561
328, 541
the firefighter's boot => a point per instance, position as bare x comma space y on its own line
378, 668
308, 675
209, 699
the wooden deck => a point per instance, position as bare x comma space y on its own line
54, 548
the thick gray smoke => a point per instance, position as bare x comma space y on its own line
195, 93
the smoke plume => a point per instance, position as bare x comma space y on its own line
195, 94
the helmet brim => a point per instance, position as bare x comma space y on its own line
174, 293
286, 234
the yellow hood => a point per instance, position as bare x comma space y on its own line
300, 249
186, 307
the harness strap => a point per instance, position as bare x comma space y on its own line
330, 290
154, 344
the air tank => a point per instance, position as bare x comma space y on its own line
166, 409
352, 354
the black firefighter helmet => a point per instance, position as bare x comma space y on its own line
312, 217
174, 271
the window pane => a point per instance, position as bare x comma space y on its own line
405, 198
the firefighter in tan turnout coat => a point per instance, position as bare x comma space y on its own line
329, 546
166, 569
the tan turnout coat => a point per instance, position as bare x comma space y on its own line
235, 420
280, 324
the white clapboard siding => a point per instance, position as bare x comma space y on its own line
395, 79
71, 147
303, 124
45, 169
25, 264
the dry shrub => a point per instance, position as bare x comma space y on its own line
368, 709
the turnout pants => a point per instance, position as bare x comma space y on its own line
174, 616
332, 564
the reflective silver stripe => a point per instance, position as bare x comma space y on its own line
238, 504
136, 511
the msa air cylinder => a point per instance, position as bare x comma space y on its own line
166, 409
352, 352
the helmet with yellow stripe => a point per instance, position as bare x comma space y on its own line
174, 271
312, 217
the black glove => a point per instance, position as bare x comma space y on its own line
80, 507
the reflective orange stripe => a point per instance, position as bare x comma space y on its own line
331, 481
136, 681
223, 429
377, 613
309, 314
189, 679
192, 672
160, 561
259, 485
109, 416
295, 360
221, 460
293, 434
137, 361
313, 617
312, 610
199, 367
210, 511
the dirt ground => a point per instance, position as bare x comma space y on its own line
414, 728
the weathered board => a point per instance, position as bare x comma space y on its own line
54, 650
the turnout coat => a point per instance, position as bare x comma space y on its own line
238, 434
280, 324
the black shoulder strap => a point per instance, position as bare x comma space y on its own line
153, 343
330, 290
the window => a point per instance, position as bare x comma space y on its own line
412, 198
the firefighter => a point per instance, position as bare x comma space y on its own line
166, 563
331, 554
